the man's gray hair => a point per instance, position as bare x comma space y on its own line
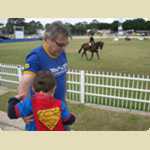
55, 29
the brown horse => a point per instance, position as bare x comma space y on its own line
92, 48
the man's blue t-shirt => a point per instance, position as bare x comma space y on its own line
38, 60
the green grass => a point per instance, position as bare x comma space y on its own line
14, 53
122, 56
94, 119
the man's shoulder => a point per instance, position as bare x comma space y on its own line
35, 51
63, 54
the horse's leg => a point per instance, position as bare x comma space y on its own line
102, 46
80, 50
83, 53
98, 57
92, 54
86, 55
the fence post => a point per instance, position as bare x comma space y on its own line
82, 86
19, 72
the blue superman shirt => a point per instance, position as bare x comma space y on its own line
38, 60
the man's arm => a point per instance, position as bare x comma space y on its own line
25, 83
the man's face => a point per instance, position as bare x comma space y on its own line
57, 45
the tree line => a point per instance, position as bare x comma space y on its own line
79, 28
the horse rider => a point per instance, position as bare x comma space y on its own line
91, 41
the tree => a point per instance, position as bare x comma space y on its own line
16, 21
32, 27
114, 26
11, 22
104, 26
136, 24
69, 27
128, 24
94, 24
147, 24
1, 24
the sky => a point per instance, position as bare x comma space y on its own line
68, 20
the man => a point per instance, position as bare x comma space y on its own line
50, 56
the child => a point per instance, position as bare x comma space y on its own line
50, 114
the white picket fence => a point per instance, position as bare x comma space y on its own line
111, 89
10, 73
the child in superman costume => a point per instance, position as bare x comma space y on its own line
50, 114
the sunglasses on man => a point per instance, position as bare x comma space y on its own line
60, 44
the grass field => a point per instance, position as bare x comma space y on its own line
121, 56
94, 119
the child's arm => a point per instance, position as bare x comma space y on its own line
67, 117
18, 108
12, 114
70, 120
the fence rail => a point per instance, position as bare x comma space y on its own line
111, 89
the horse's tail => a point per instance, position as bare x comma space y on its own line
79, 51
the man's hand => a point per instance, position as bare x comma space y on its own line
19, 97
28, 119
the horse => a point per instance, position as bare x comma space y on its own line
127, 39
92, 48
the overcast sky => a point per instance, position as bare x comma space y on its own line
68, 20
